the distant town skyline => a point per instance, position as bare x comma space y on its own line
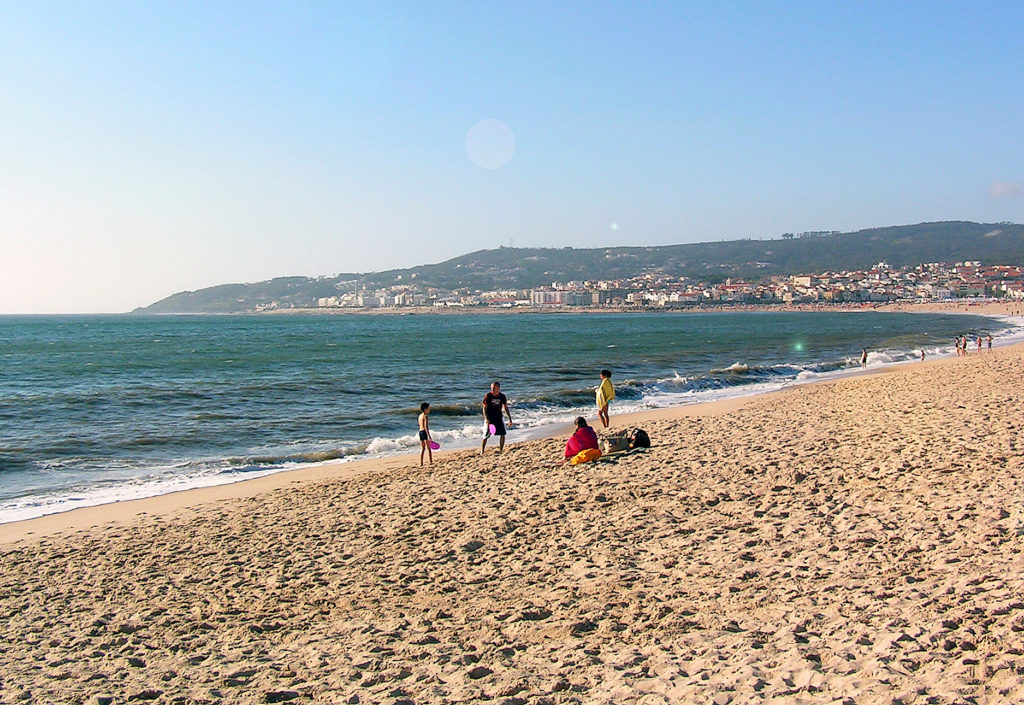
154, 147
880, 283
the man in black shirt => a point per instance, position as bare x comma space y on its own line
494, 402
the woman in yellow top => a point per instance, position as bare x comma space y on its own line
605, 393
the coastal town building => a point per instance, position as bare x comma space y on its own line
933, 281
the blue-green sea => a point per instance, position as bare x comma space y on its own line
96, 409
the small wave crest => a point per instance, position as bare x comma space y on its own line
736, 368
555, 399
265, 461
440, 410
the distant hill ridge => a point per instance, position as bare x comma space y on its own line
527, 268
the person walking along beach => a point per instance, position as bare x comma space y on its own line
605, 393
494, 402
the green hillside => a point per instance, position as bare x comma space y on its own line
525, 268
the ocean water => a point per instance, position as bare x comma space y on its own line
95, 409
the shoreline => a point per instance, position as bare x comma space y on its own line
182, 501
979, 307
178, 500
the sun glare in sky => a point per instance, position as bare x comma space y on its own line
490, 144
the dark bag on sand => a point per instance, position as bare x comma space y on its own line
640, 439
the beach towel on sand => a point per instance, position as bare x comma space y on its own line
585, 456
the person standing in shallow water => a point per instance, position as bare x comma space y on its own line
494, 402
863, 357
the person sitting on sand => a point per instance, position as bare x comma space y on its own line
585, 437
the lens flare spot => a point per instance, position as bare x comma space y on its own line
490, 144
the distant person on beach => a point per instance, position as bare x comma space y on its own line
989, 339
979, 344
605, 393
585, 437
922, 354
494, 402
863, 357
425, 439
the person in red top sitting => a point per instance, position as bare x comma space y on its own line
584, 438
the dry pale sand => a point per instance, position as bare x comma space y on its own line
980, 308
858, 541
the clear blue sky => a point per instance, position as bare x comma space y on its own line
148, 148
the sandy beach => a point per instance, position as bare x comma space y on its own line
981, 307
857, 541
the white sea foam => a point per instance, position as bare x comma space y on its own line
150, 484
676, 379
